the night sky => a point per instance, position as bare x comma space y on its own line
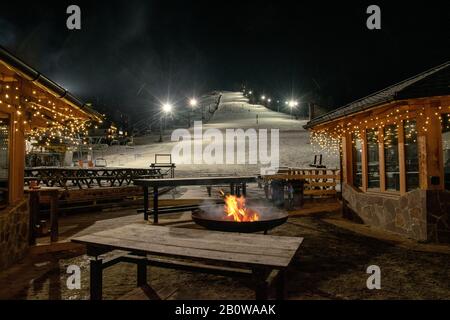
130, 54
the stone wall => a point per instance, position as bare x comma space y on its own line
405, 215
13, 233
438, 209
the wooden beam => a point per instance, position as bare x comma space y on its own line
422, 149
16, 158
364, 161
8, 78
401, 157
433, 136
381, 160
349, 158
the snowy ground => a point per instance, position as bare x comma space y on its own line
234, 112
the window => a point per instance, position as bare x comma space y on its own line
446, 148
357, 160
373, 161
391, 162
4, 158
411, 155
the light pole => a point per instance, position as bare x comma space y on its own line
166, 108
193, 103
292, 104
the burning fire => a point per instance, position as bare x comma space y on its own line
235, 208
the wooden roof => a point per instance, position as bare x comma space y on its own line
30, 89
433, 82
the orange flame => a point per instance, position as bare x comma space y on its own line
235, 208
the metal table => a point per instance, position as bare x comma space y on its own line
175, 182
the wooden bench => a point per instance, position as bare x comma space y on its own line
178, 208
264, 259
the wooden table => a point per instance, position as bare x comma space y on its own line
175, 182
35, 194
263, 258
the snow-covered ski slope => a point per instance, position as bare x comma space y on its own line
234, 112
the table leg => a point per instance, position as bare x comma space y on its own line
54, 218
155, 205
145, 203
96, 278
142, 271
281, 285
259, 279
34, 210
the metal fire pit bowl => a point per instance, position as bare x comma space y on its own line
201, 218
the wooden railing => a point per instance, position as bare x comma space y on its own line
317, 182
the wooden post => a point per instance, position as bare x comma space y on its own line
341, 173
96, 278
155, 205
381, 159
145, 188
435, 159
347, 163
364, 164
16, 157
54, 231
244, 189
422, 150
401, 158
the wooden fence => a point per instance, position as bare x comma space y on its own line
317, 182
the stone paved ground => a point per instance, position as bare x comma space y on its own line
331, 265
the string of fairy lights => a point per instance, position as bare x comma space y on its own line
45, 118
328, 139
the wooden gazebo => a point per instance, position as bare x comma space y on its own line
395, 155
31, 105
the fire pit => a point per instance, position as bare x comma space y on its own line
235, 216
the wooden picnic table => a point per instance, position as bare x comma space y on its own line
263, 258
51, 176
199, 181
